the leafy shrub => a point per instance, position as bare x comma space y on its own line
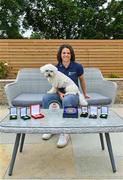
4, 69
113, 75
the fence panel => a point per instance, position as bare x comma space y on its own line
104, 54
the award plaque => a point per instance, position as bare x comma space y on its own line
23, 113
35, 111
54, 106
93, 112
70, 112
84, 112
13, 113
104, 112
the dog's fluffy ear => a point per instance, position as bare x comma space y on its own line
48, 67
42, 69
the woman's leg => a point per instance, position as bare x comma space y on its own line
46, 101
72, 101
50, 98
69, 100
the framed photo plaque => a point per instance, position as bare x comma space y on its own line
13, 113
84, 112
93, 112
104, 112
23, 113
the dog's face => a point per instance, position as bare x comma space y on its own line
49, 74
48, 70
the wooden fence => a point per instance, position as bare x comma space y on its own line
104, 54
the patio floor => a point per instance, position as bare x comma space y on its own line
81, 159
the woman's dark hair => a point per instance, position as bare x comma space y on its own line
59, 59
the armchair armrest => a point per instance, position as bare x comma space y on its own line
109, 89
12, 90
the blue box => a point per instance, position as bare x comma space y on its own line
70, 112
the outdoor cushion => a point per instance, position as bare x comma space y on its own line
98, 99
26, 99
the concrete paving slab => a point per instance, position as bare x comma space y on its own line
91, 160
5, 155
44, 161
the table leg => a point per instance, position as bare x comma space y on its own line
110, 151
17, 140
22, 142
101, 140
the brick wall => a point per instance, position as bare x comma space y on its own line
3, 99
119, 97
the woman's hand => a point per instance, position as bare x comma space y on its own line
86, 96
61, 95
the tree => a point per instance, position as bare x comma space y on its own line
115, 25
68, 19
54, 18
62, 19
10, 12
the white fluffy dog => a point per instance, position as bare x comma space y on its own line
60, 80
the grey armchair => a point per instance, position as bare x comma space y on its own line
101, 91
30, 86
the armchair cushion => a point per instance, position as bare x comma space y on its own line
98, 99
27, 99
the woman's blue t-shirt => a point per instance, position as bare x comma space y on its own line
73, 71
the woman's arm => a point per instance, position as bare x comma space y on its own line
83, 86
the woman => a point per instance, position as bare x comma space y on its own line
68, 66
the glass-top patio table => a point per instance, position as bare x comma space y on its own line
54, 123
